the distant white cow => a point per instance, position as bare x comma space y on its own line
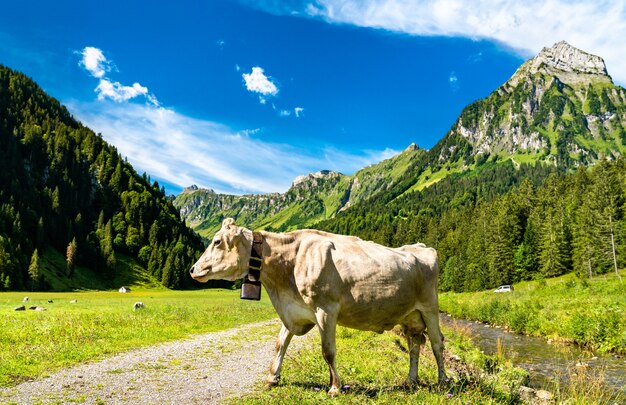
316, 278
138, 305
25, 299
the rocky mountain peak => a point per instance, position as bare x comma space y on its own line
568, 63
322, 174
190, 189
412, 147
565, 57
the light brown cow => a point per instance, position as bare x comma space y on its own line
316, 278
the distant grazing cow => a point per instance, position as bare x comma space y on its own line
316, 278
138, 305
25, 299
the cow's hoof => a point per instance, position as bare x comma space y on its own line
333, 392
272, 381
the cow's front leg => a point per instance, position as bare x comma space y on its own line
327, 324
282, 342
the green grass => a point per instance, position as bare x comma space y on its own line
374, 368
99, 324
130, 273
591, 313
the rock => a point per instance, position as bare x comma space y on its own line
526, 394
543, 395
20, 308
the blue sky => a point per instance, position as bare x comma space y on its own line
243, 96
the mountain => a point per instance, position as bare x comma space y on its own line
311, 198
559, 109
560, 106
73, 213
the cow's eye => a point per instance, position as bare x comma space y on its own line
217, 242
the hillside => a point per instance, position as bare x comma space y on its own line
311, 198
66, 194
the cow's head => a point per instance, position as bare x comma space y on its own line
227, 256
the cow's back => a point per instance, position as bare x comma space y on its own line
373, 286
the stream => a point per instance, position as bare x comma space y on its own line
545, 361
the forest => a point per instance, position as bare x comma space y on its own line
63, 187
501, 225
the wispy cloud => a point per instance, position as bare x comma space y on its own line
181, 150
257, 82
523, 26
453, 80
98, 66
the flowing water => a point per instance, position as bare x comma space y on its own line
544, 361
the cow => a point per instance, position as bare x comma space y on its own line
315, 278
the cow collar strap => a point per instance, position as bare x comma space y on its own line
256, 261
251, 287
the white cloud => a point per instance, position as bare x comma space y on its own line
94, 62
598, 27
118, 92
298, 111
180, 150
284, 113
257, 82
454, 81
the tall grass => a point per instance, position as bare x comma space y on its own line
590, 313
34, 344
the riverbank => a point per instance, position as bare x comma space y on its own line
587, 312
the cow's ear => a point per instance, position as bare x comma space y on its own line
228, 223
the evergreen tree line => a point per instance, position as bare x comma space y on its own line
537, 223
63, 187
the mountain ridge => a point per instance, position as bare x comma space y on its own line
319, 195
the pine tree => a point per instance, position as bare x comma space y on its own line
70, 257
33, 270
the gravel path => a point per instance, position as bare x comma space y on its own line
201, 370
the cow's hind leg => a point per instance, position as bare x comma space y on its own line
327, 324
282, 342
431, 318
414, 330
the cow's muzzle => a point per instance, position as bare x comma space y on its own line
198, 274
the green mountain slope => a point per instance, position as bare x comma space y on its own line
64, 192
310, 199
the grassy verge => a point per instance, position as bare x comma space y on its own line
34, 343
374, 368
591, 313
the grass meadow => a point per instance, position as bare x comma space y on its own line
99, 324
374, 368
588, 312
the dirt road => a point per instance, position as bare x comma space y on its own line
204, 369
